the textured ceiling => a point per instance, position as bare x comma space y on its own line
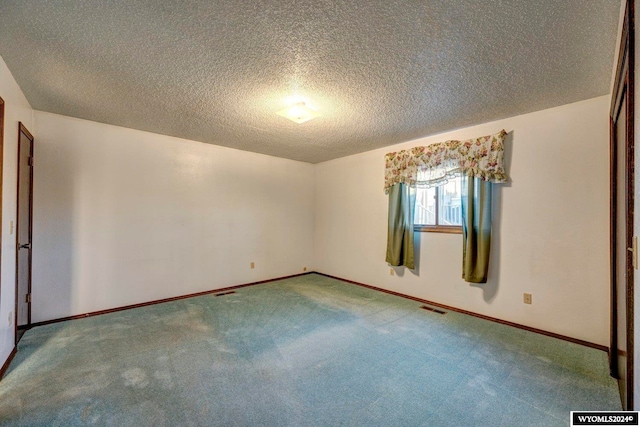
379, 71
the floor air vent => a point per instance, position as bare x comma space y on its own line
435, 310
225, 293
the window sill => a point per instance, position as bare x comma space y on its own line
437, 229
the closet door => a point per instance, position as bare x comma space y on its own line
23, 231
622, 247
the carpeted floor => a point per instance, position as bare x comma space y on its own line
304, 351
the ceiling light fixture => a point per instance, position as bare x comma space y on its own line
299, 113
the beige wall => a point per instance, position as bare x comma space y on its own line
17, 109
551, 235
124, 216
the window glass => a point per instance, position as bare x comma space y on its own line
449, 209
425, 212
439, 205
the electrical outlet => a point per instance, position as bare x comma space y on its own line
392, 272
253, 265
527, 298
304, 269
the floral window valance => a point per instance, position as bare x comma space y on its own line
479, 157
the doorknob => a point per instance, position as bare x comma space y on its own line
25, 246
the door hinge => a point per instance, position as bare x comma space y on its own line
28, 298
30, 161
634, 252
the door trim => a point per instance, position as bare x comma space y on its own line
623, 90
23, 130
1, 182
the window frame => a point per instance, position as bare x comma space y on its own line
437, 228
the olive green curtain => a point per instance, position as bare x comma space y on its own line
476, 229
402, 200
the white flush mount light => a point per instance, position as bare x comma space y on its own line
299, 113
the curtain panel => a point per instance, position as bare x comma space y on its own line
476, 229
480, 161
402, 200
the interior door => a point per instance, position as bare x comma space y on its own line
23, 231
621, 233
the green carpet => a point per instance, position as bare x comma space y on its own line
304, 351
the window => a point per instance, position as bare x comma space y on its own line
439, 208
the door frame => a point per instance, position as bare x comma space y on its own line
23, 130
1, 182
623, 90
